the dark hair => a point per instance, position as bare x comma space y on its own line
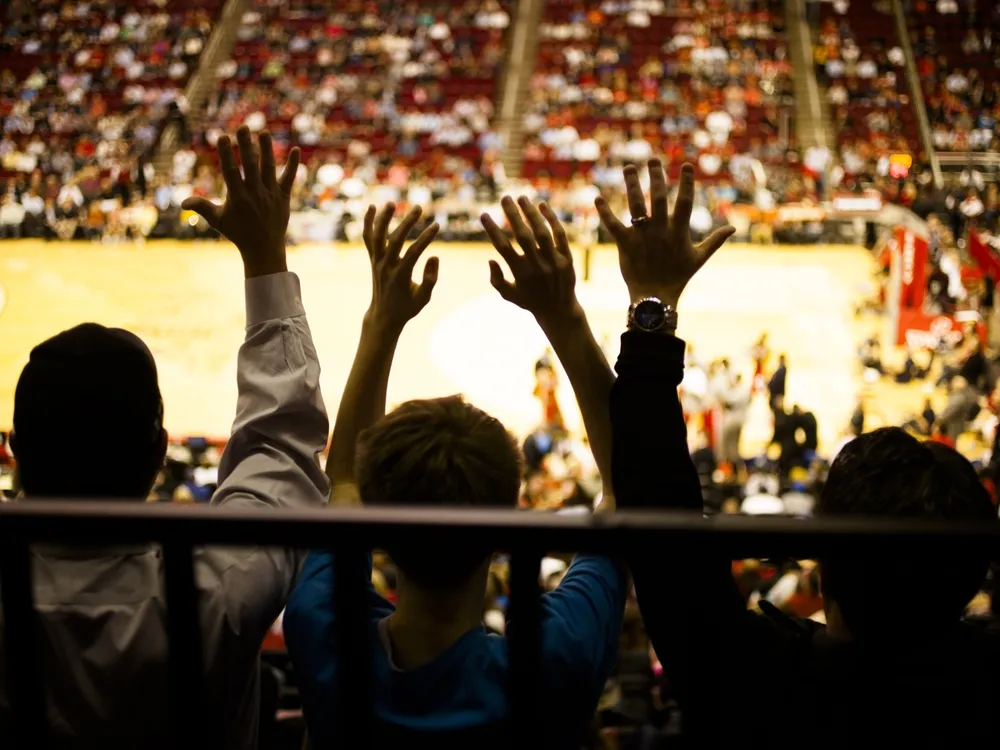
888, 473
88, 390
438, 452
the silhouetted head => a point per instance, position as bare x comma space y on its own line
86, 391
890, 474
439, 452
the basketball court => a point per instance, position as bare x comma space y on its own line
186, 301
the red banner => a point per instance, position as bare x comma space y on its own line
913, 253
918, 330
984, 255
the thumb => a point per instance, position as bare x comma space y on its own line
426, 287
504, 287
713, 242
204, 208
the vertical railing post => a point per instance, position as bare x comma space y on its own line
524, 642
355, 690
185, 646
25, 691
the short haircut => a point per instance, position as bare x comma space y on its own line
87, 393
439, 452
888, 473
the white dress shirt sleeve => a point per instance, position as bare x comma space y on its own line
271, 460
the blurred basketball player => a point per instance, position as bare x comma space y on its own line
546, 384
760, 354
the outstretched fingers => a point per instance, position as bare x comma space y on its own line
401, 232
426, 287
414, 251
248, 157
498, 282
685, 202
658, 192
267, 170
230, 171
610, 221
287, 179
204, 208
707, 248
540, 231
562, 241
380, 230
633, 191
369, 231
521, 232
499, 240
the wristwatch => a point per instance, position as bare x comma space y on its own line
652, 315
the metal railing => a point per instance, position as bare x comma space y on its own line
527, 536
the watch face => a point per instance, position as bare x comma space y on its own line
649, 315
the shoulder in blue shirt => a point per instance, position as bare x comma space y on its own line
464, 689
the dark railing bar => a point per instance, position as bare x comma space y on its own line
355, 689
187, 693
25, 689
524, 644
736, 537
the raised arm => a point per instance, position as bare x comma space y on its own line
396, 299
281, 423
545, 285
582, 619
695, 617
310, 619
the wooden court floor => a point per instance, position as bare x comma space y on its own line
186, 301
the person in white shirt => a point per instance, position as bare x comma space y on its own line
835, 68
867, 69
183, 163
103, 633
735, 402
837, 94
956, 83
587, 149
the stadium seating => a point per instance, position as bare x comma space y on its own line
412, 82
958, 57
858, 58
88, 85
620, 81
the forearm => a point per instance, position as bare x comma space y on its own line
281, 423
652, 464
363, 401
591, 377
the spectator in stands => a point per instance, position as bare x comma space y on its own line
776, 385
894, 662
431, 649
113, 689
735, 403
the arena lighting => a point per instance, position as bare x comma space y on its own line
529, 536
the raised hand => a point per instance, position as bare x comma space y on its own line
656, 254
396, 299
255, 214
544, 278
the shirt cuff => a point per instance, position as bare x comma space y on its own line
649, 353
273, 297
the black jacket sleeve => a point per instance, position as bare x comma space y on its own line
649, 437
695, 617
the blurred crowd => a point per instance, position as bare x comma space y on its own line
85, 91
395, 103
700, 82
958, 55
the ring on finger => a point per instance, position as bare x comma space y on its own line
638, 221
